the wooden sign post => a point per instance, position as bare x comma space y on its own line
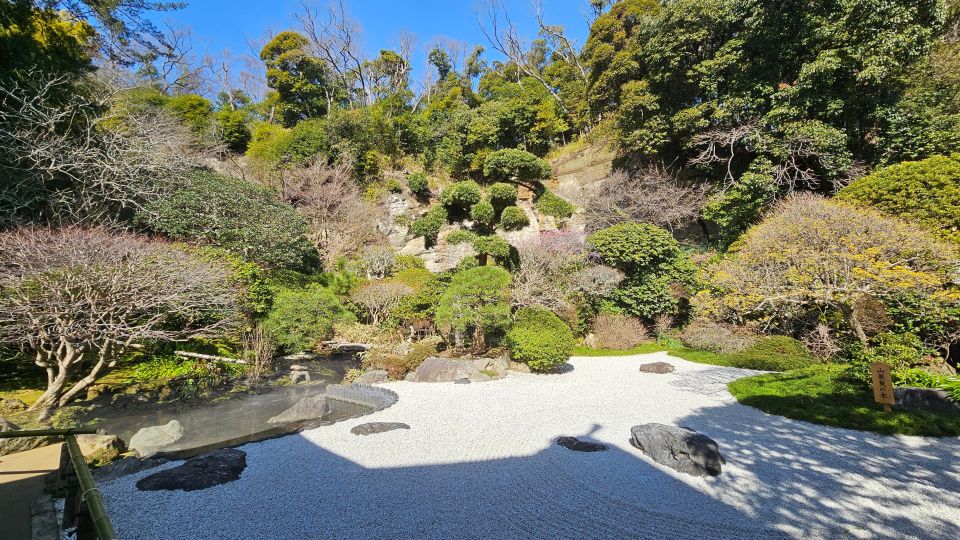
882, 385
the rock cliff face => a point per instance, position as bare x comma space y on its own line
576, 175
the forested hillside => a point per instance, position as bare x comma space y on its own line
772, 174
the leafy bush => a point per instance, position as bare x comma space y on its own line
492, 246
706, 335
268, 144
902, 352
236, 215
308, 139
477, 298
618, 332
657, 272
428, 226
540, 339
462, 195
513, 218
927, 192
418, 183
301, 319
233, 129
513, 164
814, 256
405, 262
461, 236
550, 204
483, 213
502, 193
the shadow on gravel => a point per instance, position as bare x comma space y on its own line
304, 491
901, 478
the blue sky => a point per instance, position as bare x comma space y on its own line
229, 24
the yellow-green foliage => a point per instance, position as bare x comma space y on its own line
814, 254
927, 192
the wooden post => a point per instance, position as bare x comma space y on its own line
882, 385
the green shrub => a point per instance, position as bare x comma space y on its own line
927, 192
418, 183
477, 298
540, 339
194, 111
301, 319
462, 195
657, 271
492, 246
502, 193
393, 186
513, 164
550, 204
233, 129
308, 139
774, 353
513, 218
428, 226
268, 144
405, 262
902, 352
461, 236
483, 213
238, 216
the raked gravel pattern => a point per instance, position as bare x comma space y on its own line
480, 461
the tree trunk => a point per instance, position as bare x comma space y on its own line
54, 388
83, 383
857, 327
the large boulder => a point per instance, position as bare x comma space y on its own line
435, 369
308, 408
656, 367
150, 440
99, 450
925, 399
374, 376
201, 472
681, 449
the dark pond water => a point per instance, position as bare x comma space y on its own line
231, 419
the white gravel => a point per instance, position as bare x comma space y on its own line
480, 462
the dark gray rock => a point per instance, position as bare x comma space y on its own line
201, 472
681, 449
462, 381
656, 367
308, 408
374, 376
925, 399
150, 440
377, 427
577, 445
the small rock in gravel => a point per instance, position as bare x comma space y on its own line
656, 367
373, 376
577, 445
462, 381
377, 427
681, 449
201, 472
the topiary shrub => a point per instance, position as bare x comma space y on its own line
513, 164
418, 184
657, 271
513, 218
241, 217
492, 246
927, 192
502, 193
540, 339
462, 195
618, 332
428, 226
549, 204
461, 236
483, 213
478, 299
301, 319
707, 335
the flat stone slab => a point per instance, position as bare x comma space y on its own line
201, 472
577, 445
681, 449
371, 428
657, 367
